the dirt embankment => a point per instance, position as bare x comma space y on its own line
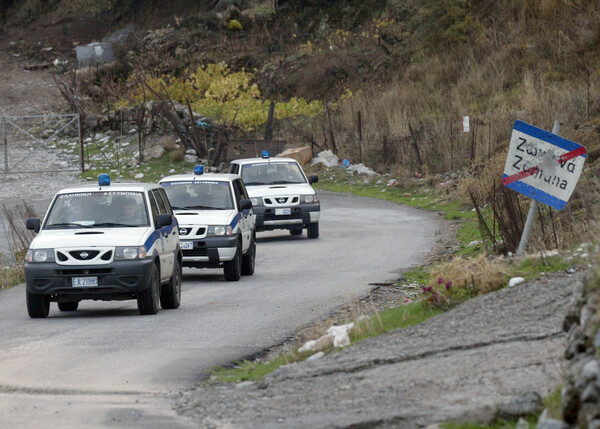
457, 366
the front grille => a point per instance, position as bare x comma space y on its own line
84, 255
201, 231
195, 252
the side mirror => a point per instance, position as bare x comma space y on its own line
33, 224
313, 179
163, 220
245, 205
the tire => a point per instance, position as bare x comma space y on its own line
312, 230
68, 306
296, 231
170, 296
38, 306
249, 260
148, 300
233, 269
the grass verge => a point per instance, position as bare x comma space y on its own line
12, 275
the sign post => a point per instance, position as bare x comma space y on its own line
542, 166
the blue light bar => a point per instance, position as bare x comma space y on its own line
104, 179
265, 154
199, 170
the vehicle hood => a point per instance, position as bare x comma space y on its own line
90, 237
277, 190
204, 217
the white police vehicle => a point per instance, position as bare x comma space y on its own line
105, 242
281, 194
216, 221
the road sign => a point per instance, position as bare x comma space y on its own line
542, 165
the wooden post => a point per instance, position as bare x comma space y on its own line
360, 154
331, 137
451, 148
80, 135
269, 127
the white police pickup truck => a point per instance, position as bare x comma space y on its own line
281, 195
216, 221
105, 242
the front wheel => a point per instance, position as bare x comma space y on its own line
248, 261
68, 306
312, 230
170, 296
38, 306
232, 270
148, 300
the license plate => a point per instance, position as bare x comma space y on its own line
84, 281
286, 211
187, 245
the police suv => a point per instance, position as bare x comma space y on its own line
216, 221
105, 242
281, 194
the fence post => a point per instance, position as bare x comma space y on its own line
5, 145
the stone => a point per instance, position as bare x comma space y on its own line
552, 424
139, 176
591, 370
521, 406
301, 154
515, 281
156, 151
190, 158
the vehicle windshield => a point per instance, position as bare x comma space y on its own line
199, 195
274, 173
98, 209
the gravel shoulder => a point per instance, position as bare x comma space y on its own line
457, 366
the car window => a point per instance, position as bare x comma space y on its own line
237, 191
234, 168
92, 209
199, 195
166, 201
159, 202
153, 206
272, 173
243, 189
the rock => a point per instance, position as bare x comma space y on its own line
327, 158
515, 281
244, 384
190, 158
301, 154
521, 406
156, 151
139, 176
552, 424
190, 152
591, 370
522, 424
316, 356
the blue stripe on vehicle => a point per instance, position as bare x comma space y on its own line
166, 230
235, 221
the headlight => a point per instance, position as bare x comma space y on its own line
310, 198
136, 252
40, 255
219, 230
257, 201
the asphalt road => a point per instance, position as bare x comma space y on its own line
106, 366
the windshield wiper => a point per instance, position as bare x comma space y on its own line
78, 225
281, 182
253, 183
109, 224
202, 208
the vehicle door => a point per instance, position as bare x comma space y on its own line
173, 241
166, 241
246, 216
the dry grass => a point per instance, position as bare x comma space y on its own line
462, 278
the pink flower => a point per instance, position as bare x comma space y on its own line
440, 280
448, 284
407, 300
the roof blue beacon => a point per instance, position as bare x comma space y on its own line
104, 179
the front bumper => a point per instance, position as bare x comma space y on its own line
116, 281
210, 251
301, 216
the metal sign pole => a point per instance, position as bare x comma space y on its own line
533, 209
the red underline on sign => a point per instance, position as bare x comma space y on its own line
531, 171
